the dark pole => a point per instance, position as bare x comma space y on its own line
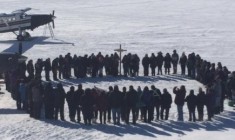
20, 48
120, 60
120, 50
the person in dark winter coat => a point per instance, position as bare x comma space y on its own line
78, 94
126, 64
109, 103
157, 100
166, 104
145, 63
30, 69
201, 101
135, 62
179, 100
49, 101
167, 63
22, 69
183, 61
153, 63
147, 99
38, 68
131, 100
95, 109
71, 100
191, 100
175, 59
100, 59
87, 106
140, 105
47, 68
210, 102
55, 68
37, 97
115, 98
75, 66
61, 62
191, 63
59, 101
124, 104
102, 104
160, 60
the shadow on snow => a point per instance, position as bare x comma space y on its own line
30, 43
146, 79
221, 122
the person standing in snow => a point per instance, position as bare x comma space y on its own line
160, 60
179, 100
175, 59
78, 94
165, 104
37, 97
191, 100
30, 69
55, 68
47, 68
145, 63
139, 104
131, 100
87, 106
183, 60
153, 64
201, 101
167, 63
157, 100
102, 104
210, 102
115, 98
59, 101
49, 101
71, 100
22, 94
147, 99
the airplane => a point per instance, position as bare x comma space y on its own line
18, 22
10, 61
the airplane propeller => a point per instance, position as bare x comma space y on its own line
53, 17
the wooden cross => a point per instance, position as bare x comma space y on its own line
120, 50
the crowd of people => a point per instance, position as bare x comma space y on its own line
34, 95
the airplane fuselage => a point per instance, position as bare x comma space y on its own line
19, 21
14, 23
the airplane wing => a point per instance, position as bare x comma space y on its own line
21, 11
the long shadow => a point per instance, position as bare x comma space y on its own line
72, 81
26, 45
9, 111
121, 130
221, 122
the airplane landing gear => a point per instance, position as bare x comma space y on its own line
23, 37
20, 38
26, 35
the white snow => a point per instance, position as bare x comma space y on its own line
205, 27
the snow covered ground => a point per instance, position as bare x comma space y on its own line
83, 27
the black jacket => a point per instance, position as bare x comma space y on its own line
201, 99
131, 98
191, 100
166, 100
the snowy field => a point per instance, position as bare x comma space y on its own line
205, 27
